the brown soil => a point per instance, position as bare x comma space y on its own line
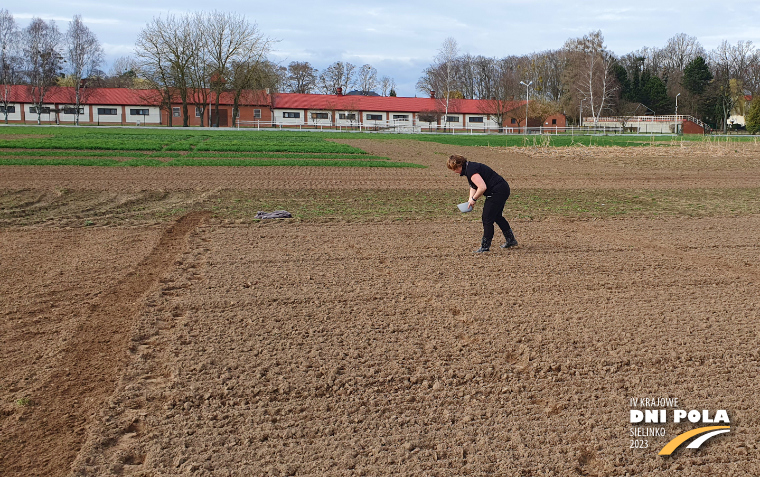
202, 347
7, 137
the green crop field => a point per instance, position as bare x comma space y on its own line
90, 146
558, 140
126, 139
115, 146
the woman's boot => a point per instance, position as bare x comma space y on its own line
485, 245
511, 240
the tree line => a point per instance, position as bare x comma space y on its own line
40, 53
585, 78
189, 59
195, 57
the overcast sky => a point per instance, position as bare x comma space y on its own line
400, 38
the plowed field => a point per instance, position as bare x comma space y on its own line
149, 326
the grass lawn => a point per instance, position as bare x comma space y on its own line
233, 140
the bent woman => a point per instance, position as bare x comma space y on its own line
485, 182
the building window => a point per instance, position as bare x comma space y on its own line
476, 119
350, 116
375, 117
139, 112
72, 110
175, 112
452, 119
107, 112
256, 114
197, 112
9, 109
320, 116
291, 115
514, 121
45, 110
554, 121
401, 117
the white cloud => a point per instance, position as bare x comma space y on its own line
400, 38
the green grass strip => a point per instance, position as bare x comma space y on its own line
524, 204
105, 162
20, 207
100, 162
69, 153
161, 140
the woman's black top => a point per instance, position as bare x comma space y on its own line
494, 182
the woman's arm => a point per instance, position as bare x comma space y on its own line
478, 181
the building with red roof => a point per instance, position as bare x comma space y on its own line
262, 109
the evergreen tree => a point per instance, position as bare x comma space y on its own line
696, 76
621, 75
656, 95
753, 117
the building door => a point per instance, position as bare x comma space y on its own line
223, 120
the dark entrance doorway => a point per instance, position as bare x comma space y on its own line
223, 122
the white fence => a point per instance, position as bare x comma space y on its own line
404, 127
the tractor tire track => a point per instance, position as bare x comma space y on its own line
81, 382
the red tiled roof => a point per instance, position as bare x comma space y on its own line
126, 96
382, 103
106, 96
144, 97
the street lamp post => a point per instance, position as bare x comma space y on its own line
675, 129
527, 99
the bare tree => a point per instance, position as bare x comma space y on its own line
446, 57
590, 74
720, 88
385, 85
440, 77
84, 55
10, 59
42, 59
231, 39
733, 66
485, 72
156, 62
301, 77
752, 81
367, 79
167, 46
545, 70
201, 69
253, 81
680, 50
742, 56
503, 92
123, 72
429, 116
465, 74
431, 80
337, 75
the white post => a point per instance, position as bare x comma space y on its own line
527, 100
675, 121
